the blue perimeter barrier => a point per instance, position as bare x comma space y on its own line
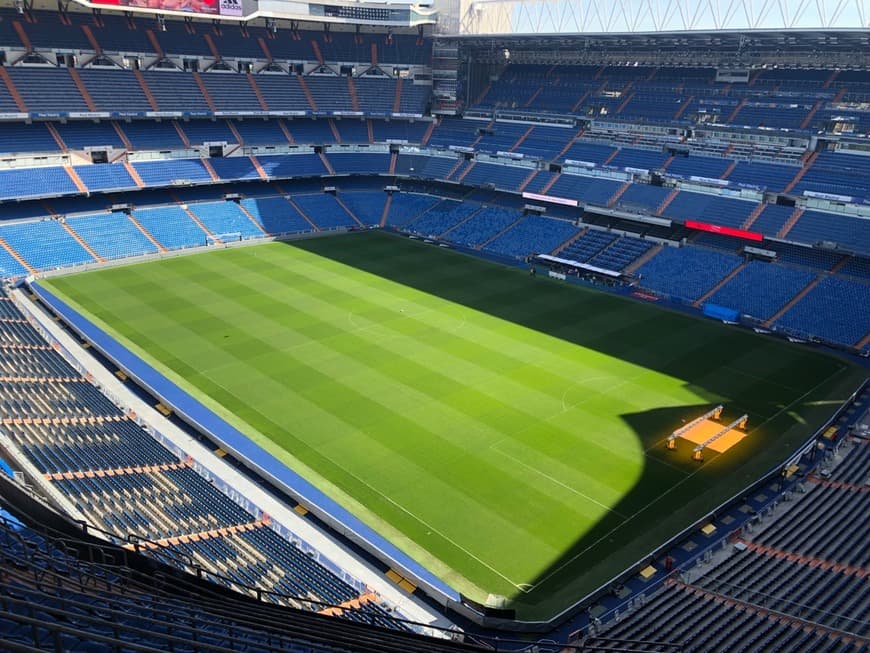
721, 312
6, 469
231, 439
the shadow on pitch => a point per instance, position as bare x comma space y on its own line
672, 488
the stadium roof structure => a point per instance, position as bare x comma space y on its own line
651, 16
810, 48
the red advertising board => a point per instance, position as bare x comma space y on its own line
725, 231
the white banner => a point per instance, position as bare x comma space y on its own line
231, 7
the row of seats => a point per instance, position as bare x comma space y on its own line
838, 173
758, 165
21, 397
835, 309
124, 481
36, 137
102, 602
74, 90
794, 582
812, 227
45, 30
494, 230
651, 94
144, 135
86, 238
759, 290
605, 250
818, 594
63, 448
705, 622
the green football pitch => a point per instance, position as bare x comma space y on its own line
505, 430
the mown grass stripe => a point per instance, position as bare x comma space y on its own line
495, 426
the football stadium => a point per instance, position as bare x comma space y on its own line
454, 325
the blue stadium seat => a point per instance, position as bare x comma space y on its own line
208, 131
455, 131
171, 226
405, 207
367, 206
761, 289
105, 176
82, 134
771, 176
20, 183
45, 245
235, 167
47, 90
277, 215
114, 90
686, 273
164, 173
592, 190
836, 309
715, 209
174, 90
225, 220
283, 93
445, 216
292, 165
16, 138
532, 235
483, 226
698, 166
369, 163
505, 177
837, 173
261, 132
398, 130
111, 235
850, 232
324, 211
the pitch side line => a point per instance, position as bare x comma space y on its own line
519, 586
554, 480
523, 587
677, 484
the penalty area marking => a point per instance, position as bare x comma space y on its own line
566, 406
432, 529
679, 483
553, 480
